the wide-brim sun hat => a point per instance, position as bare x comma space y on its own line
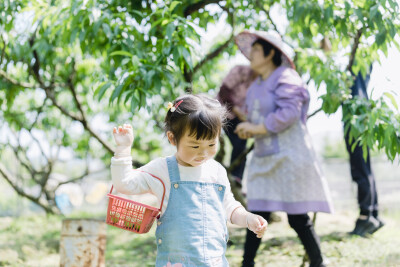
245, 40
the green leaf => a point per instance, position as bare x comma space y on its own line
174, 4
392, 29
186, 55
135, 61
107, 30
392, 99
365, 151
170, 30
102, 89
157, 84
329, 13
380, 37
121, 53
165, 22
373, 11
314, 29
176, 56
117, 92
359, 14
148, 78
128, 96
137, 13
166, 50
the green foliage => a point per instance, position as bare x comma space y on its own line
377, 23
65, 63
373, 122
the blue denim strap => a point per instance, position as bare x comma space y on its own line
173, 169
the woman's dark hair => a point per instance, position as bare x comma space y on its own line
199, 115
267, 47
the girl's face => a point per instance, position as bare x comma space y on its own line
192, 152
257, 58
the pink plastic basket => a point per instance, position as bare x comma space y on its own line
130, 215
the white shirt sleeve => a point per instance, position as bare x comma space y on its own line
230, 203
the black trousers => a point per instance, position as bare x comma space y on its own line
361, 174
304, 228
238, 146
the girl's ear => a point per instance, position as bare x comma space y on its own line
171, 138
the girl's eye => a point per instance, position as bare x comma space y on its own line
195, 146
212, 145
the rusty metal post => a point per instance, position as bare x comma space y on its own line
82, 243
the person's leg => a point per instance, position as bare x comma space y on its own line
304, 228
367, 197
361, 174
252, 243
238, 146
375, 213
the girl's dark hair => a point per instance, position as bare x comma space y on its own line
267, 47
198, 115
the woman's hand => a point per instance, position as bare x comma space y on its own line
239, 113
256, 224
246, 130
123, 136
243, 130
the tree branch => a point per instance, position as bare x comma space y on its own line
15, 82
39, 145
261, 6
188, 75
98, 138
36, 65
22, 161
213, 54
86, 173
314, 113
50, 95
10, 179
74, 179
71, 87
272, 22
25, 84
82, 120
354, 49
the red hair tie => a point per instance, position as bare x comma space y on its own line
176, 106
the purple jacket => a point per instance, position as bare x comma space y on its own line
278, 103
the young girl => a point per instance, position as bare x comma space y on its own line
198, 199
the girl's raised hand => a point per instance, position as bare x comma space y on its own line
123, 136
256, 224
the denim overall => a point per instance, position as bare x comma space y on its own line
192, 231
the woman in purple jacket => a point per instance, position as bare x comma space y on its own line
283, 174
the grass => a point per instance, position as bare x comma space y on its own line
34, 241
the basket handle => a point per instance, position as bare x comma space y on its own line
162, 201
